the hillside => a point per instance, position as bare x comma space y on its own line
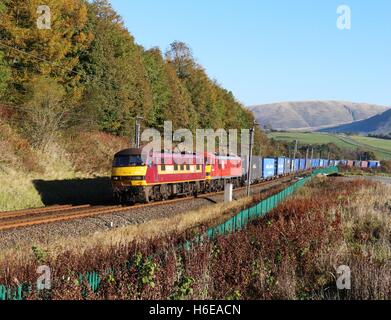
313, 115
69, 96
341, 145
379, 124
112, 80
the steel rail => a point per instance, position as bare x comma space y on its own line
33, 217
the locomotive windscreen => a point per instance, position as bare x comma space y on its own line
127, 161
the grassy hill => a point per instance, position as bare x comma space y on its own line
381, 148
313, 115
310, 138
379, 124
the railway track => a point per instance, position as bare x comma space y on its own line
53, 214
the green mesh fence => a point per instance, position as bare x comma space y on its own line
11, 293
236, 223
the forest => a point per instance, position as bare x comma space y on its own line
87, 74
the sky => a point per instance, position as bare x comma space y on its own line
267, 51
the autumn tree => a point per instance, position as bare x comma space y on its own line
45, 111
170, 99
87, 72
116, 86
50, 52
159, 85
4, 74
181, 111
181, 56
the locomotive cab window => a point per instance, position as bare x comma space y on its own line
127, 161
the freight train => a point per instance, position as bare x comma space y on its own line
165, 175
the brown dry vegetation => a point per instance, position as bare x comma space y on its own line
72, 155
92, 153
291, 254
15, 151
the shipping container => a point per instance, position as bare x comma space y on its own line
287, 168
296, 165
302, 163
268, 168
256, 168
364, 164
343, 163
280, 166
374, 164
315, 163
350, 163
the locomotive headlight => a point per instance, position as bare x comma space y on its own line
138, 178
128, 178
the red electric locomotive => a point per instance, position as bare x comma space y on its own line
225, 170
165, 175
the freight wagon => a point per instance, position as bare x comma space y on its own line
315, 163
302, 163
268, 168
256, 169
280, 169
288, 164
374, 164
296, 165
